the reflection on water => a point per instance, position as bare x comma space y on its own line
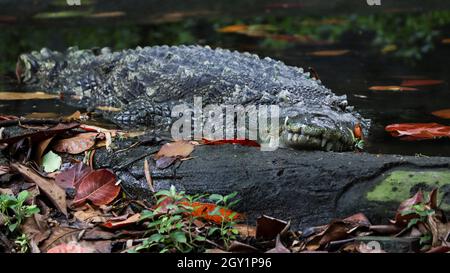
363, 59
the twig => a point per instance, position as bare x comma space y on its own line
126, 164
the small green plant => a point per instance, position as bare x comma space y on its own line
23, 243
171, 228
227, 228
14, 210
421, 210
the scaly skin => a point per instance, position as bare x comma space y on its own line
145, 83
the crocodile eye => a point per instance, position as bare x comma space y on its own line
343, 104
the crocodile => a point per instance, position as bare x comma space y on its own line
141, 86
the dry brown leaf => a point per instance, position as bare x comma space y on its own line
148, 176
76, 144
180, 148
56, 194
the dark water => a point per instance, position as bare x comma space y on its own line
351, 74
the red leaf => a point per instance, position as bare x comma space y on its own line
99, 187
203, 210
421, 82
407, 205
243, 142
445, 113
418, 131
71, 178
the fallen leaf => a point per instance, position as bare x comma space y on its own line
446, 41
99, 187
4, 169
27, 96
418, 131
51, 162
392, 88
76, 144
180, 148
240, 247
268, 227
42, 134
329, 53
71, 247
71, 177
246, 230
89, 215
118, 224
243, 142
407, 205
164, 162
421, 82
148, 176
56, 194
204, 210
40, 149
445, 113
279, 247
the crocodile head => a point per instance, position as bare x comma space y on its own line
334, 127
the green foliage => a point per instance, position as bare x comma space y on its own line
14, 210
170, 225
226, 230
23, 243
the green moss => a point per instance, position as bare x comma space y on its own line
400, 185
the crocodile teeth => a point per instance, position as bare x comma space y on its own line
323, 143
295, 138
289, 137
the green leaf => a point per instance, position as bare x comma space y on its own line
216, 198
230, 196
212, 230
51, 162
23, 196
179, 237
156, 238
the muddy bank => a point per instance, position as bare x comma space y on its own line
307, 187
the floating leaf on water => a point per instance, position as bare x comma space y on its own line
27, 96
329, 53
418, 131
392, 88
109, 14
233, 29
446, 41
61, 14
445, 113
421, 82
51, 162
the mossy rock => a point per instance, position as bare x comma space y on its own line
399, 185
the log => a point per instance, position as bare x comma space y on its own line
307, 187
